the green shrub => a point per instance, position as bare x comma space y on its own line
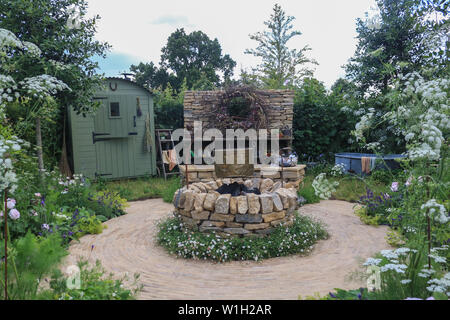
309, 194
320, 127
94, 285
30, 259
296, 239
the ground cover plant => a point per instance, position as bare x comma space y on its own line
285, 240
145, 188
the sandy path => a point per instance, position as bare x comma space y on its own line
128, 245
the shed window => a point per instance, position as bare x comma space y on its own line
114, 109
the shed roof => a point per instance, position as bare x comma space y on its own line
131, 82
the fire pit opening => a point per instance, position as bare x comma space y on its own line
236, 189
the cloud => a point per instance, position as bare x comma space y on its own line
172, 20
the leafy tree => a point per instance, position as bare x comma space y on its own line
152, 77
387, 43
169, 109
280, 65
45, 22
192, 55
66, 54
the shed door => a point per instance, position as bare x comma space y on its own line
114, 138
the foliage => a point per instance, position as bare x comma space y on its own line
94, 285
323, 188
285, 240
319, 124
70, 207
108, 204
309, 194
405, 273
373, 220
377, 206
280, 66
67, 51
191, 56
169, 109
21, 83
388, 39
394, 238
30, 260
151, 77
56, 49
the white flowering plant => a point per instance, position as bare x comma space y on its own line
22, 84
408, 273
324, 188
299, 238
338, 170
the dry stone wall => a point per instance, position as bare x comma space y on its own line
202, 208
198, 106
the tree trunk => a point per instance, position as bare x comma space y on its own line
39, 147
64, 167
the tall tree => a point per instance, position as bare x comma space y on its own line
48, 24
280, 65
192, 55
66, 39
152, 77
387, 42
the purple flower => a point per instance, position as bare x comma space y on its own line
45, 227
332, 295
14, 214
394, 186
10, 203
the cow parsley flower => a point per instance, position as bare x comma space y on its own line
406, 281
43, 85
372, 262
9, 40
399, 268
32, 49
324, 188
436, 210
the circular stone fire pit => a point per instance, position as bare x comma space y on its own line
201, 207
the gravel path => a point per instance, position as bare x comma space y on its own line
128, 245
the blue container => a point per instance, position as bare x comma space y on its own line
352, 161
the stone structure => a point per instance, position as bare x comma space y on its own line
198, 104
292, 176
201, 207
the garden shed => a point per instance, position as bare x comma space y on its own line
118, 140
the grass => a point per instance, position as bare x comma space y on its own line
349, 189
145, 188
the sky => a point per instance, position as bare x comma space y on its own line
138, 29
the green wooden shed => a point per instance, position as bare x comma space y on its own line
118, 141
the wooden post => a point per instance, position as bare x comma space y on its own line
5, 217
429, 239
